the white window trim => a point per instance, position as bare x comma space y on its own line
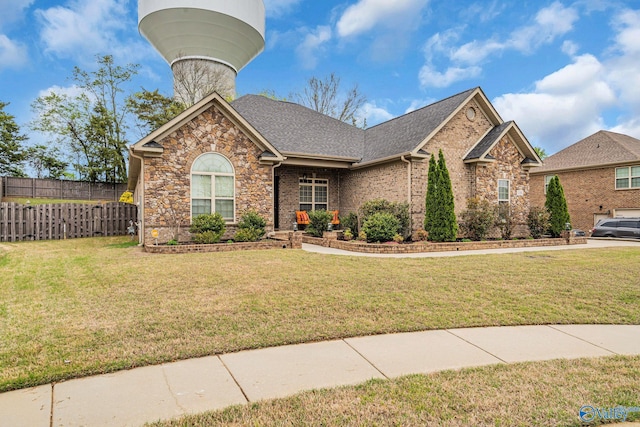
213, 187
508, 199
629, 178
313, 184
547, 181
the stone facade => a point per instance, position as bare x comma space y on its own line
591, 195
507, 166
167, 179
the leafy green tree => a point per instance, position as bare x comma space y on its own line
46, 162
556, 204
541, 152
152, 109
12, 155
91, 124
431, 202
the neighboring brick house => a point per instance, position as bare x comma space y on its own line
600, 176
278, 157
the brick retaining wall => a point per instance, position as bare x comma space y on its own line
438, 247
287, 241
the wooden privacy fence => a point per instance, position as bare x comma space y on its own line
64, 221
60, 189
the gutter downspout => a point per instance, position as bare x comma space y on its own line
273, 197
141, 207
409, 198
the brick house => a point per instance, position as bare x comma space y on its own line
278, 157
600, 176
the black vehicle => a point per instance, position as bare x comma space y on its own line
617, 227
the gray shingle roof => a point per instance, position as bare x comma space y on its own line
601, 148
487, 142
292, 128
404, 133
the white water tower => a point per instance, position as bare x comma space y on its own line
206, 42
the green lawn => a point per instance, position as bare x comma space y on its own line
525, 394
87, 306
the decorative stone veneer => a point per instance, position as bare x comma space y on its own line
507, 166
590, 193
167, 179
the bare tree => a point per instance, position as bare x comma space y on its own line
324, 96
193, 79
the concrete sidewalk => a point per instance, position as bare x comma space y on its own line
131, 398
592, 243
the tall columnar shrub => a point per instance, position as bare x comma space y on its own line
441, 218
431, 203
556, 204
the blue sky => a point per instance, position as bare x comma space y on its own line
561, 69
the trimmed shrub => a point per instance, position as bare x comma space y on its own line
251, 227
318, 221
347, 235
478, 219
556, 204
208, 228
538, 221
399, 210
350, 221
380, 227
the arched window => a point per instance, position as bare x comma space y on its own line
213, 186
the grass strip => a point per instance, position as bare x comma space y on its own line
524, 394
89, 306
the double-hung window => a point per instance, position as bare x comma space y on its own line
547, 180
213, 186
314, 194
628, 177
503, 191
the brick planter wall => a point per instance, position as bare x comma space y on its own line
372, 248
283, 241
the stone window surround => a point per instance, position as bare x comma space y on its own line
629, 178
314, 182
213, 174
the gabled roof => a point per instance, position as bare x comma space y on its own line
403, 134
295, 129
600, 149
150, 145
299, 131
480, 152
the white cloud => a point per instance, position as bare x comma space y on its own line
83, 29
416, 104
367, 14
312, 46
550, 23
373, 114
64, 91
12, 54
277, 8
430, 77
12, 10
565, 106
